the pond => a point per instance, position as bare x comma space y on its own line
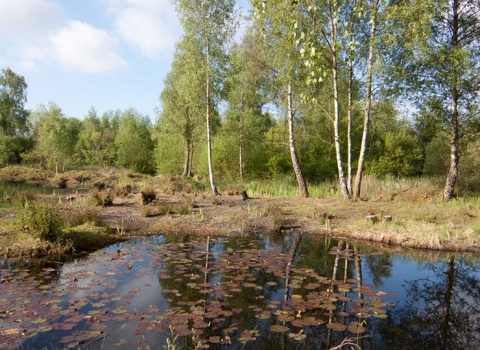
273, 292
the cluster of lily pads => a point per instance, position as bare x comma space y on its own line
214, 293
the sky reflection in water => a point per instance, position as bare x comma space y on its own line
234, 293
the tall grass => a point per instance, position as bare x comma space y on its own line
281, 187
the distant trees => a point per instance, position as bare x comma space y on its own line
13, 117
96, 140
134, 142
56, 136
388, 88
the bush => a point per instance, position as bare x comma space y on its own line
185, 207
148, 195
80, 216
100, 198
41, 221
123, 190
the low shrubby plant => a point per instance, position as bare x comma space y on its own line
81, 215
123, 190
147, 195
100, 198
185, 206
41, 221
276, 214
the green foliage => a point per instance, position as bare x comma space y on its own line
57, 136
96, 140
402, 156
40, 220
13, 96
437, 155
12, 148
169, 153
134, 142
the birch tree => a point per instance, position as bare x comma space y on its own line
211, 24
182, 100
285, 65
442, 66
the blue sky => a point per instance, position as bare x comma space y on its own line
107, 54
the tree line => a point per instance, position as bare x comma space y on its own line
314, 89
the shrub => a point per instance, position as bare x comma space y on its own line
80, 216
148, 195
277, 216
100, 198
123, 190
185, 207
41, 221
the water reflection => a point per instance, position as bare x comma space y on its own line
292, 292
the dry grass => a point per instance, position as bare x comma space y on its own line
419, 218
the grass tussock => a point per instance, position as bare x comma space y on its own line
101, 198
277, 216
147, 195
185, 206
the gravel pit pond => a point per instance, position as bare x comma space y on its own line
271, 292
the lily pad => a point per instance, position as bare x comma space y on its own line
356, 328
278, 328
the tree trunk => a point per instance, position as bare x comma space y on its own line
336, 125
240, 157
349, 126
186, 160
368, 103
302, 186
350, 59
209, 137
455, 139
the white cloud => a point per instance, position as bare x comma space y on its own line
33, 32
24, 26
20, 19
149, 25
79, 46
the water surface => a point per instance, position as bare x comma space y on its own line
285, 292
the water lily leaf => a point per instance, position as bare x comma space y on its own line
285, 318
119, 310
119, 343
12, 331
297, 336
278, 328
335, 326
215, 340
356, 328
39, 320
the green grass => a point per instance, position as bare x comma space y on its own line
281, 187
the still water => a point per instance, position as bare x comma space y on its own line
272, 292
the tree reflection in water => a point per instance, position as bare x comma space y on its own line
274, 292
441, 312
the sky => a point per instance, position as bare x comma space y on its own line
106, 54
